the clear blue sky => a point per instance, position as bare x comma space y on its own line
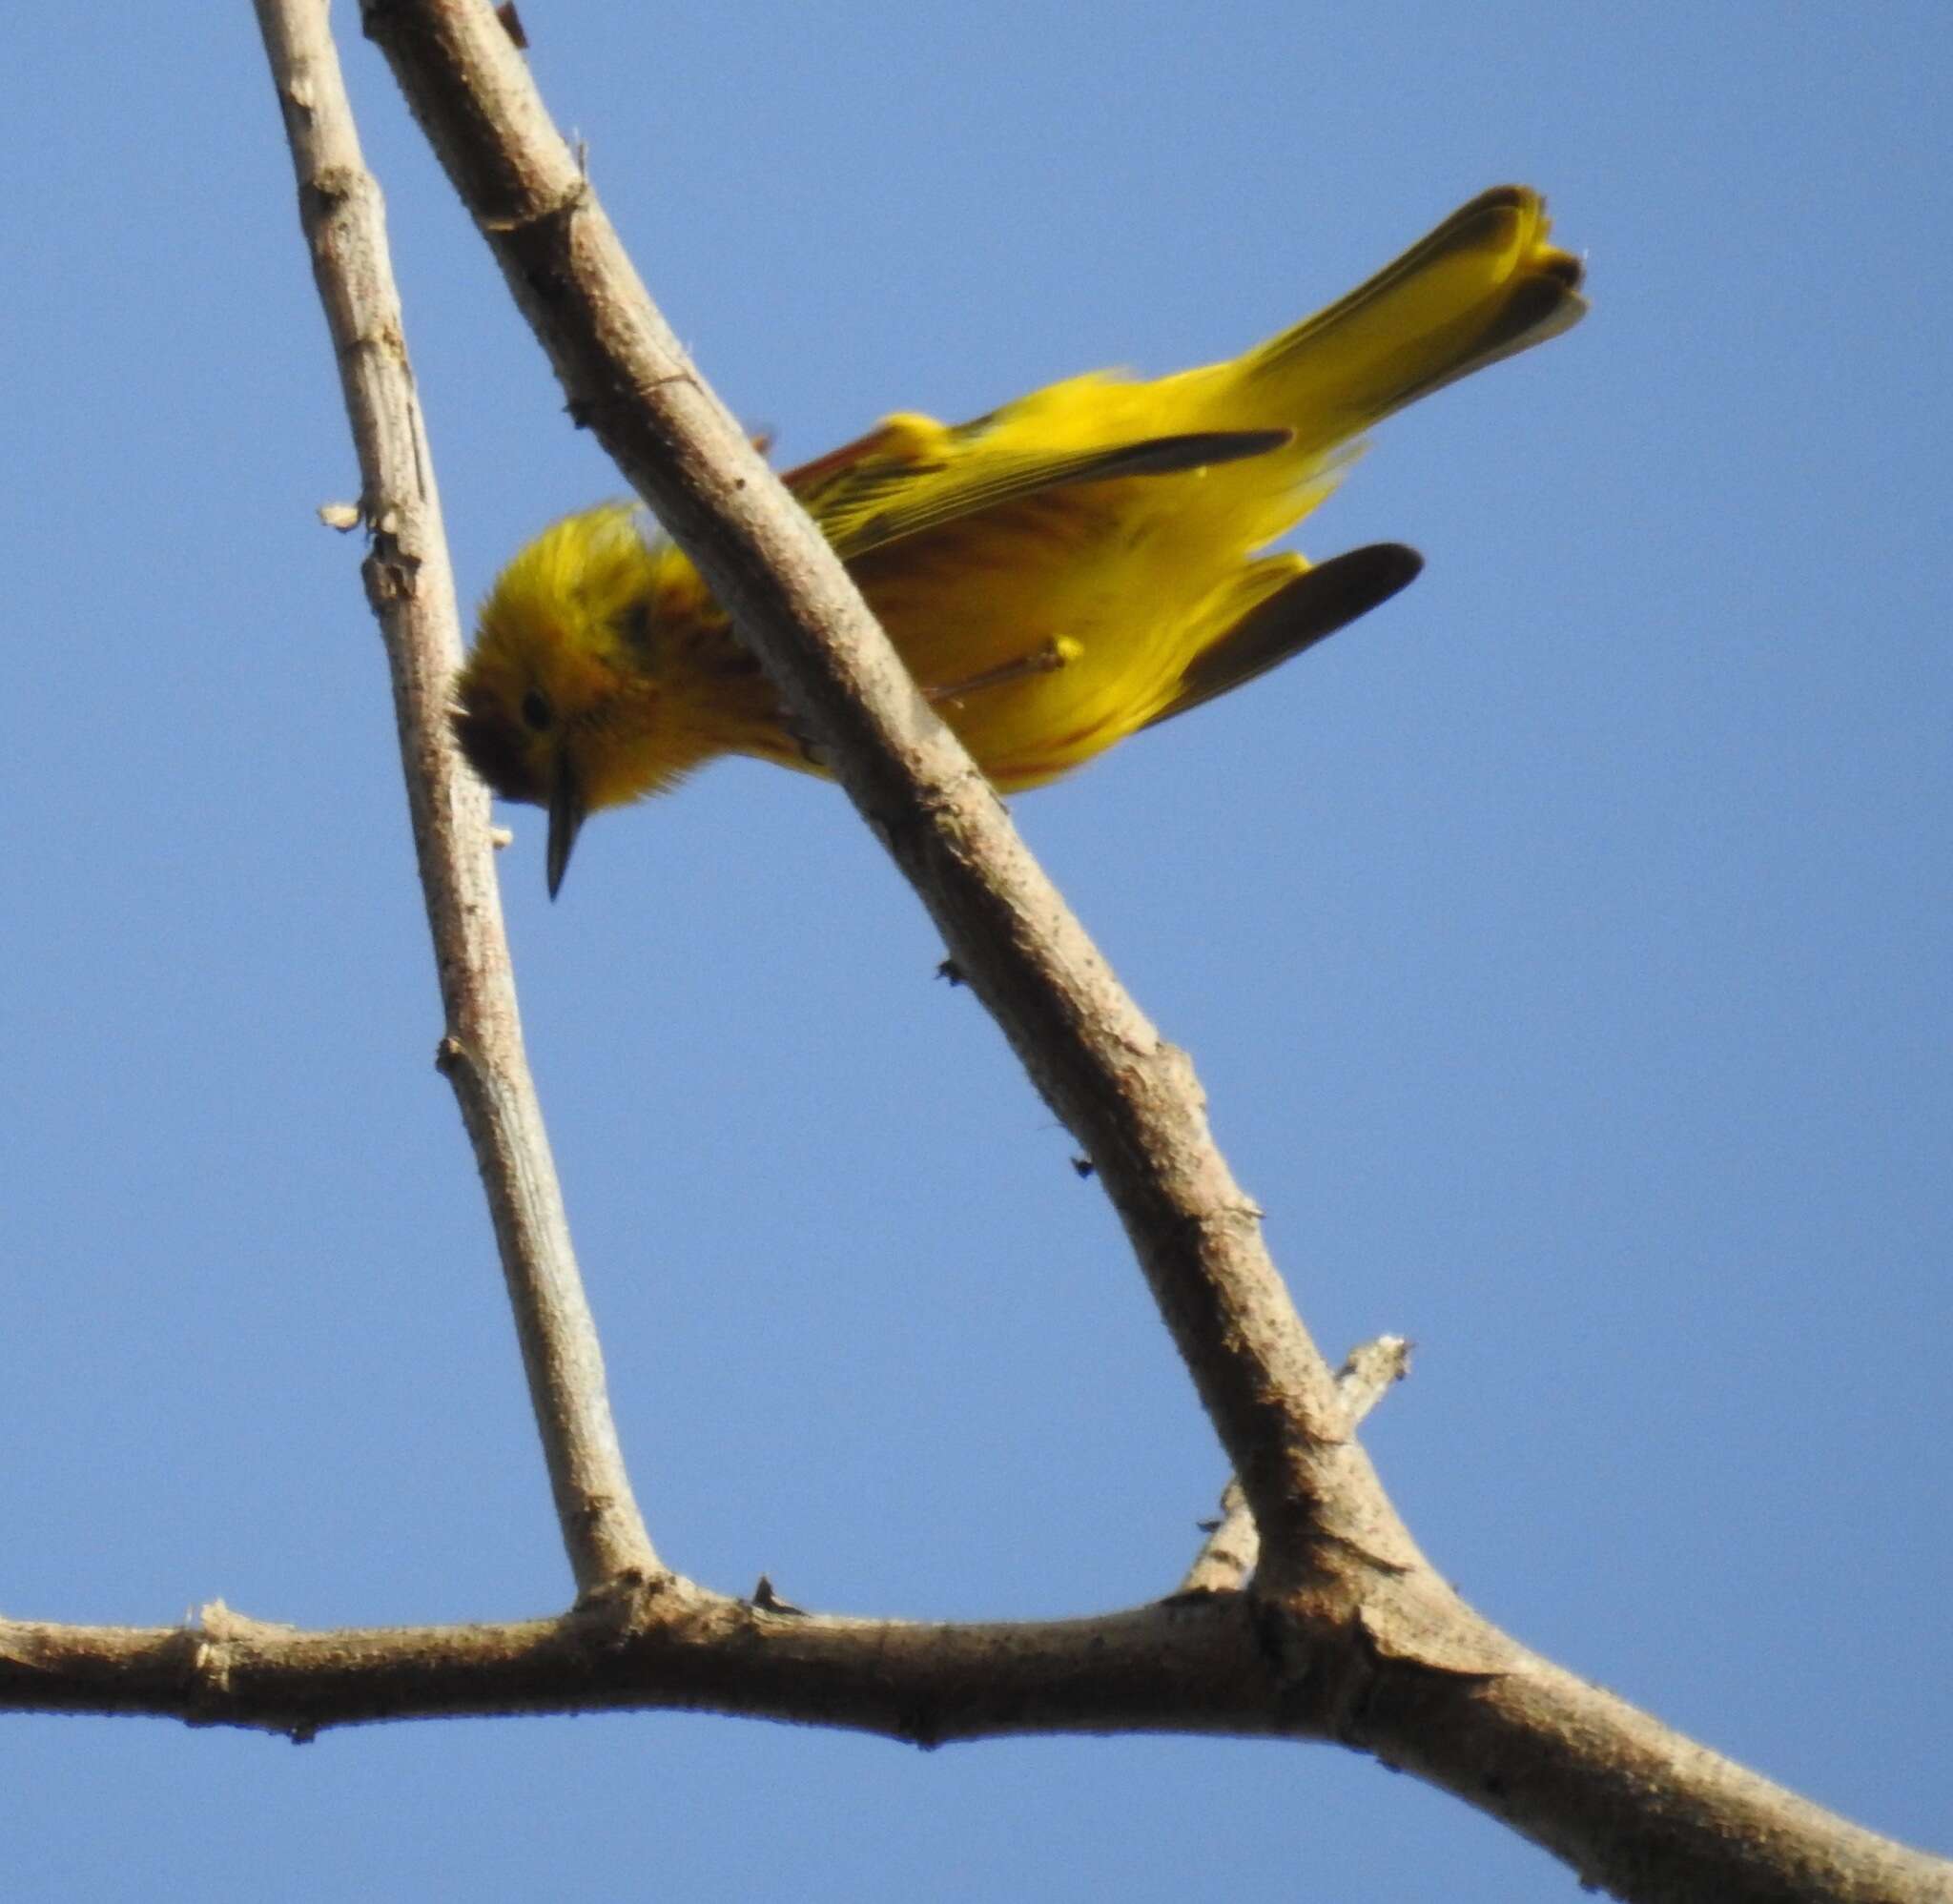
1565, 950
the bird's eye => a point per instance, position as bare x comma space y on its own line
536, 711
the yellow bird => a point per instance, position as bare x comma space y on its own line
1056, 575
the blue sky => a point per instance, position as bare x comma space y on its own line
1565, 949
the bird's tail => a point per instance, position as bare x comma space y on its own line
1486, 284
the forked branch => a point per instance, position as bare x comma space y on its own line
1346, 1632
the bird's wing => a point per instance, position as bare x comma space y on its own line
912, 472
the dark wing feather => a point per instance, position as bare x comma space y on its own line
1299, 614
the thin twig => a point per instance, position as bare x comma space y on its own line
1233, 1547
411, 587
1226, 1560
1369, 1371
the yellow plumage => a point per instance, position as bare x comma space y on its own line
1056, 575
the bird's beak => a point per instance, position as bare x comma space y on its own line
568, 809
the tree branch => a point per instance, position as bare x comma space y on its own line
411, 587
1163, 1667
1632, 1807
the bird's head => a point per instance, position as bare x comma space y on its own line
562, 702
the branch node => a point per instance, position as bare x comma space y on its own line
765, 1599
620, 1609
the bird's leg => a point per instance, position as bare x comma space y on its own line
1060, 651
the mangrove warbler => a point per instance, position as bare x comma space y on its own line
1057, 575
